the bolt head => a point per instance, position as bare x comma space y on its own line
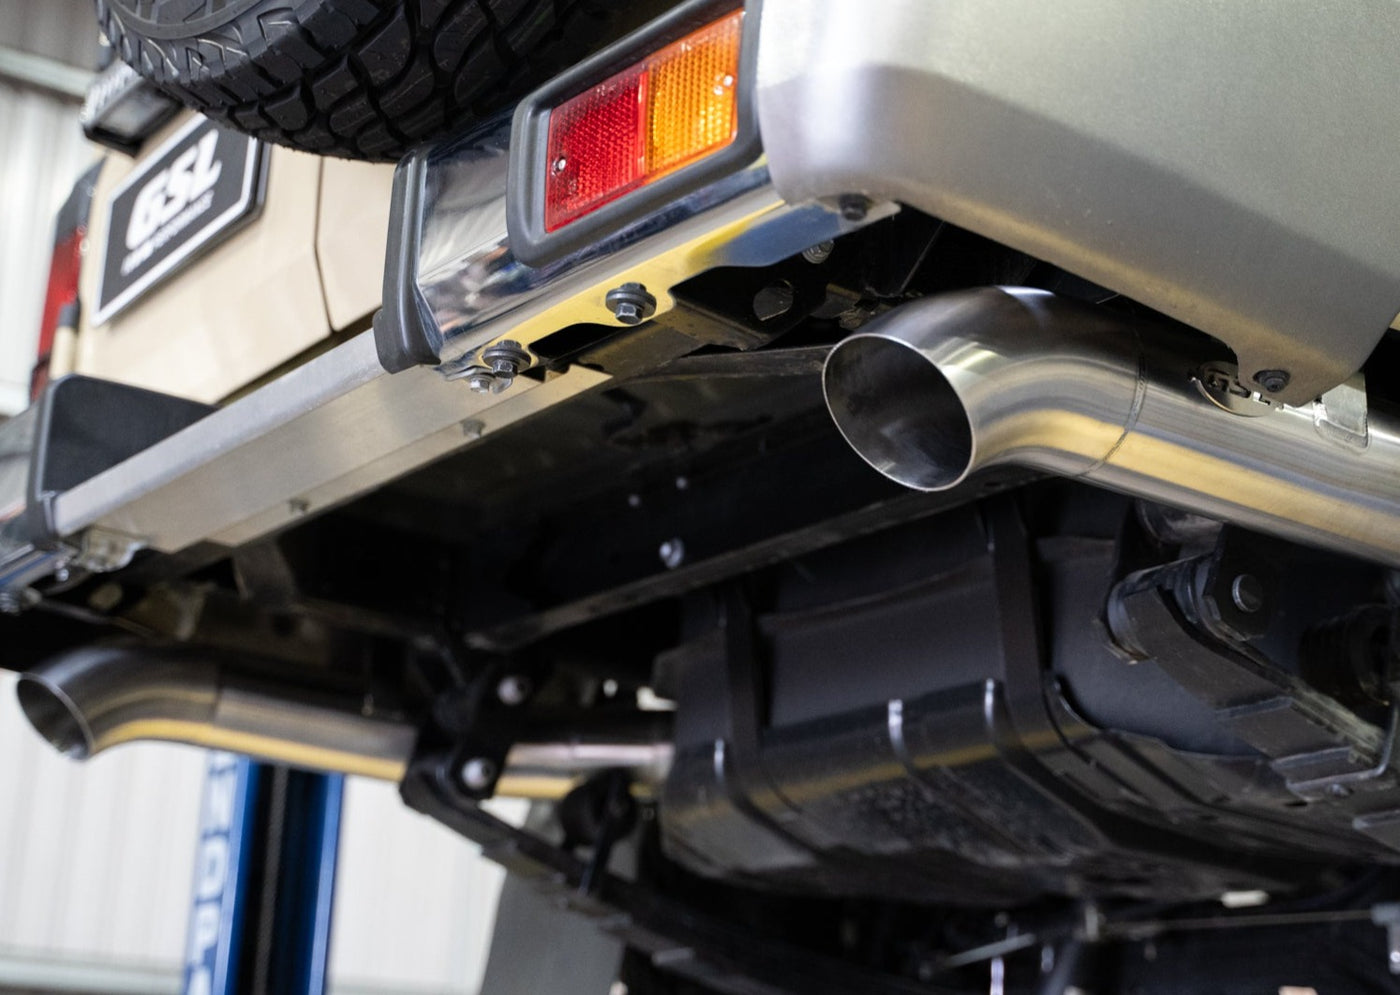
630, 303
481, 381
819, 253
513, 690
478, 773
1272, 381
672, 553
854, 206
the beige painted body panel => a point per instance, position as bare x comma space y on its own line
350, 237
253, 302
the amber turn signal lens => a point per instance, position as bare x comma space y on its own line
677, 105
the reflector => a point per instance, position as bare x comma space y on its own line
677, 105
693, 108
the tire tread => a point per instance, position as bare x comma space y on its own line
359, 79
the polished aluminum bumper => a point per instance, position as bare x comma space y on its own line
341, 425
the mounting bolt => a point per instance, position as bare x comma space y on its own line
514, 689
672, 553
478, 773
10, 603
1247, 593
630, 303
505, 360
482, 381
1272, 381
853, 206
819, 253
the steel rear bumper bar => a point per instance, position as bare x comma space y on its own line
1178, 159
341, 425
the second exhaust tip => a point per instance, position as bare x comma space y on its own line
942, 387
899, 412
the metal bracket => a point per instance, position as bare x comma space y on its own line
1219, 383
726, 956
103, 550
1340, 414
1317, 785
1387, 916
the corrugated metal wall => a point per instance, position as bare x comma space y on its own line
42, 153
415, 904
96, 859
96, 865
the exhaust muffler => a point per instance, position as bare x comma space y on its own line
943, 387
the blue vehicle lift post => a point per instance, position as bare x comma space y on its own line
264, 880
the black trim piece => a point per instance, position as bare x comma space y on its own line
529, 242
119, 91
405, 333
86, 426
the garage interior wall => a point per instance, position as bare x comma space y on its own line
42, 154
96, 859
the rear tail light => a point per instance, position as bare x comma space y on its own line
58, 327
674, 107
60, 316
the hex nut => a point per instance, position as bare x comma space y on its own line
853, 206
630, 303
482, 381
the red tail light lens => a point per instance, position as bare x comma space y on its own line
62, 291
677, 105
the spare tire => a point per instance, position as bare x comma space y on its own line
360, 79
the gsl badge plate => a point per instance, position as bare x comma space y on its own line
194, 190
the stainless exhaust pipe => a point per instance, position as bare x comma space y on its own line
940, 388
96, 697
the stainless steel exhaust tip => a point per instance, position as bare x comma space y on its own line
940, 388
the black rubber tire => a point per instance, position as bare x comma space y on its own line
359, 79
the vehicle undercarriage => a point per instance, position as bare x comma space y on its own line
934, 599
